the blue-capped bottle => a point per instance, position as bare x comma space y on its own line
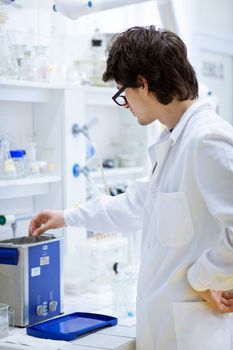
19, 162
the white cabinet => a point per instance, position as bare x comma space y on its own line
46, 113
32, 112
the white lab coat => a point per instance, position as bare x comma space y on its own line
185, 210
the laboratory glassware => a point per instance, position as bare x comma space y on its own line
124, 294
27, 66
4, 321
7, 166
19, 162
8, 64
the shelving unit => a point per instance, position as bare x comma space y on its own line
49, 111
119, 171
31, 110
27, 186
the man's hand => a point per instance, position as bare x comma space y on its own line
46, 220
219, 301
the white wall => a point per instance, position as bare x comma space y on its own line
206, 26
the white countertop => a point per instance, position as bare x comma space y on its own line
112, 338
120, 337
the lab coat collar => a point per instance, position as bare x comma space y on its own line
193, 109
171, 137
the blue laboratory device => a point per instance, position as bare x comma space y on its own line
31, 278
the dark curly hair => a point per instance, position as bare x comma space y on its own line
159, 56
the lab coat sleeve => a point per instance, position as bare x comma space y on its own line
214, 174
122, 213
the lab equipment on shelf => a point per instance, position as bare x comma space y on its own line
93, 161
7, 166
18, 157
91, 164
21, 163
8, 64
83, 129
91, 68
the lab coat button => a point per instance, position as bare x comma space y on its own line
148, 245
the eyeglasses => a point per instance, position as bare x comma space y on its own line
119, 98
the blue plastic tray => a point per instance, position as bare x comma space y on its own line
69, 327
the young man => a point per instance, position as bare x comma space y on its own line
185, 209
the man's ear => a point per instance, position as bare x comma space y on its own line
142, 82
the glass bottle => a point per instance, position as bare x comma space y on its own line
41, 63
19, 162
98, 60
7, 166
27, 67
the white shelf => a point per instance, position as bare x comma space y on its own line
38, 91
37, 84
29, 186
119, 172
30, 91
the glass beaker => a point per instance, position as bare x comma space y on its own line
124, 295
4, 320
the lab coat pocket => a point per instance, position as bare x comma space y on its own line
198, 327
174, 222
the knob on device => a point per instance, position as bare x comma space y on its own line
53, 305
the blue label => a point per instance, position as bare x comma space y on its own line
9, 256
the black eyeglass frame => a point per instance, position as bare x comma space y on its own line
119, 92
